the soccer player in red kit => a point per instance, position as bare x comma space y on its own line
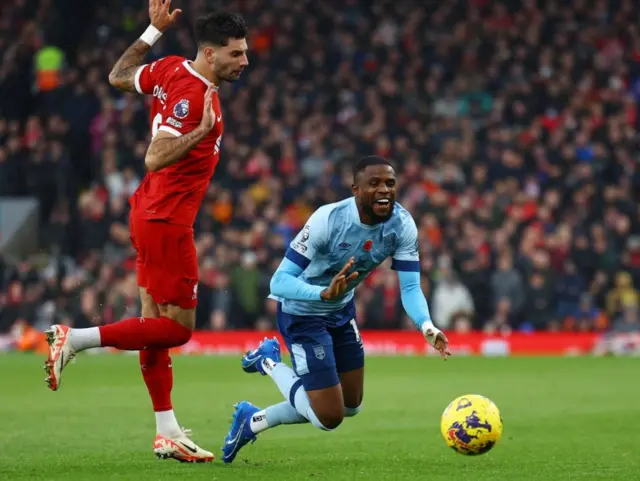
186, 128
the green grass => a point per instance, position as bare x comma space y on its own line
565, 418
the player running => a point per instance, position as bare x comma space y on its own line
314, 285
186, 127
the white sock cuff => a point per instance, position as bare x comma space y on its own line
350, 412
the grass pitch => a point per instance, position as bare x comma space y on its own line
565, 418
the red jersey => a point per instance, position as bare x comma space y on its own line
175, 193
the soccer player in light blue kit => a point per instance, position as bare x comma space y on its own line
314, 285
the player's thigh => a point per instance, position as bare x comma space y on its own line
349, 354
149, 306
311, 350
352, 383
169, 269
186, 317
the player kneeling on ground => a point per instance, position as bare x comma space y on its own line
340, 245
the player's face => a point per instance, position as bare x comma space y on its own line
375, 191
231, 60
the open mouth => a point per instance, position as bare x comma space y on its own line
383, 202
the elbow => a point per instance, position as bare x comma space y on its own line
276, 282
151, 163
273, 284
113, 80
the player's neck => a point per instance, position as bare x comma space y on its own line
200, 65
366, 219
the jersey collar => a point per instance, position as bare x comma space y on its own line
190, 69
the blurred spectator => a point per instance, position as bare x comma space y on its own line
513, 127
450, 297
506, 284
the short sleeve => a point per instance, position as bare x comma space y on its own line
184, 110
407, 257
144, 80
311, 239
148, 76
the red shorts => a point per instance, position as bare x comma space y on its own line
166, 262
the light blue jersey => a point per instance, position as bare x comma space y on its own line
332, 235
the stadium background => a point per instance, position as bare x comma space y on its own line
513, 126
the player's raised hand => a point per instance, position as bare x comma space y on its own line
160, 16
437, 339
208, 115
339, 283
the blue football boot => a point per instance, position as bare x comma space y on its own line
252, 360
240, 432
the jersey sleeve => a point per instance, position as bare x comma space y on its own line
184, 110
311, 239
406, 258
149, 75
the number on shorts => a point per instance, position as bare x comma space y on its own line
155, 125
356, 330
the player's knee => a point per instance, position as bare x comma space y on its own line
350, 412
184, 317
330, 418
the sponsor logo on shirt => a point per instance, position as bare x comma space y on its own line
300, 247
174, 122
160, 94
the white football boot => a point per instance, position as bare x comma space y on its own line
181, 448
61, 352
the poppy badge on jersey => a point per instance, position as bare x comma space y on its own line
181, 109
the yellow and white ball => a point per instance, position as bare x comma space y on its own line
471, 424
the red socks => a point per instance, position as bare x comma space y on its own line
152, 337
138, 333
158, 376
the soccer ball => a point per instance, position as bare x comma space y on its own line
471, 424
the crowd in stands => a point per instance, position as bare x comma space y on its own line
513, 126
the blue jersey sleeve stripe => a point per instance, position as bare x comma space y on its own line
405, 266
297, 258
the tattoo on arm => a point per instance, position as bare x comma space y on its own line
165, 151
123, 73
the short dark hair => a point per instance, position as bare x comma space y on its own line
217, 28
365, 162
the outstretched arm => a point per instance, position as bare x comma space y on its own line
413, 299
123, 74
406, 261
415, 305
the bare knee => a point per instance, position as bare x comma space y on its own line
328, 406
331, 420
185, 317
330, 416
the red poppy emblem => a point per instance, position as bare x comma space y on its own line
368, 245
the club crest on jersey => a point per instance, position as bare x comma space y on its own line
181, 109
319, 352
367, 246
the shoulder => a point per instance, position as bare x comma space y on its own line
165, 64
337, 212
404, 220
